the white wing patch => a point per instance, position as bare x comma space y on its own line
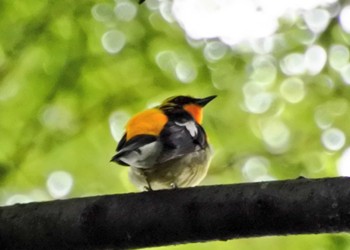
143, 157
190, 126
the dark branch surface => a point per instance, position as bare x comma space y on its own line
166, 217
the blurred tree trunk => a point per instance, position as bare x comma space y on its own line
166, 217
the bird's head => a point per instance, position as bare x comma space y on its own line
192, 105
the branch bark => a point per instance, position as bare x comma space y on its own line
155, 218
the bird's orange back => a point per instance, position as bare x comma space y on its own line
149, 122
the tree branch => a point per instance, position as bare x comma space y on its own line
166, 217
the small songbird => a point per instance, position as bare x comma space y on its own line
166, 146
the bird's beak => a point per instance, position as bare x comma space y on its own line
204, 101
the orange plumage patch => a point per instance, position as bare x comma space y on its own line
196, 111
149, 122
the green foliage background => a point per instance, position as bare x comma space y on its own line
59, 88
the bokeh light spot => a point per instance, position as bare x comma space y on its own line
344, 163
292, 89
215, 50
344, 18
152, 4
117, 121
8, 89
56, 117
102, 12
255, 167
345, 73
113, 41
333, 139
263, 45
315, 59
59, 184
293, 64
167, 60
252, 88
185, 72
166, 11
18, 199
305, 36
256, 99
258, 103
317, 20
125, 11
338, 56
323, 118
334, 8
264, 70
276, 135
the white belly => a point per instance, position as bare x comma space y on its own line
187, 171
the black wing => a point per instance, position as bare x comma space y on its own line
125, 147
181, 138
121, 142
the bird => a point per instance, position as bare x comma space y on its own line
166, 147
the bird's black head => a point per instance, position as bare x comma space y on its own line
193, 106
185, 100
